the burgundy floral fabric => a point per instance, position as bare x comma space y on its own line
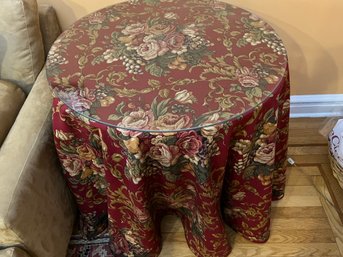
177, 107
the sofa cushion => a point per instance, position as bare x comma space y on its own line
36, 208
13, 252
49, 25
21, 46
11, 100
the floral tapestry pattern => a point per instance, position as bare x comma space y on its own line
149, 176
171, 107
152, 65
157, 45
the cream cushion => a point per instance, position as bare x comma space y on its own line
21, 46
13, 252
11, 100
36, 210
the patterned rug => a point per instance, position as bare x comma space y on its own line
98, 247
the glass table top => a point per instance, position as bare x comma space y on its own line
166, 65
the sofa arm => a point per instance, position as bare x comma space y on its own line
49, 25
36, 210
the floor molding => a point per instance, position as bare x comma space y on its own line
311, 106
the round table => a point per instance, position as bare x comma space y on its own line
171, 106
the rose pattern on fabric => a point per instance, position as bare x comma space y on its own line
191, 151
259, 154
189, 144
247, 78
171, 121
265, 154
158, 37
169, 110
170, 152
257, 159
166, 155
138, 119
133, 62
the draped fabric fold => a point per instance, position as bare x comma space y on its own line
228, 172
174, 107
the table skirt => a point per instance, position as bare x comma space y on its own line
126, 181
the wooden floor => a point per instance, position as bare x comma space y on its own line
303, 222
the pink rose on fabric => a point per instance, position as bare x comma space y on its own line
81, 104
151, 49
161, 29
247, 78
72, 165
74, 100
137, 41
134, 29
165, 155
175, 41
172, 122
88, 94
136, 120
189, 143
265, 154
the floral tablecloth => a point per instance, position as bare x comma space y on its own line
171, 106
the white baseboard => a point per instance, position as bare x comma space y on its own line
316, 106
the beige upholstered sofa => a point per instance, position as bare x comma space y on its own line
36, 210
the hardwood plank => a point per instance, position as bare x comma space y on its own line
293, 236
299, 212
277, 236
171, 224
307, 170
297, 223
293, 179
179, 248
313, 249
310, 159
173, 248
303, 136
301, 141
297, 201
300, 190
298, 196
307, 131
305, 150
307, 123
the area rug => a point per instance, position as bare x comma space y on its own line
98, 247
